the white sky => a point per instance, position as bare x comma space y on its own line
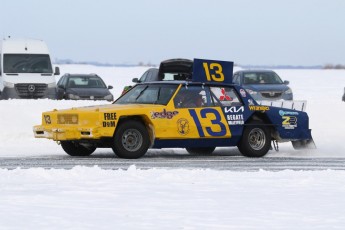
265, 32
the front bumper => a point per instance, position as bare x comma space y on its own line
20, 92
66, 133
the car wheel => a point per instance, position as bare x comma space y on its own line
131, 140
201, 151
255, 141
76, 149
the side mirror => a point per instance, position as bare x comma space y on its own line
286, 82
57, 71
110, 86
61, 87
135, 80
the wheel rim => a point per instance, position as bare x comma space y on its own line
257, 139
132, 140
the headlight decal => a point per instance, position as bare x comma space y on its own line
67, 119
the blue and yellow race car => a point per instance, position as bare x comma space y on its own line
199, 115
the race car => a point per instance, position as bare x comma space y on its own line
199, 115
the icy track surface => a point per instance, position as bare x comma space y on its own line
89, 198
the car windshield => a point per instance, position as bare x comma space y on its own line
261, 78
27, 63
85, 82
148, 94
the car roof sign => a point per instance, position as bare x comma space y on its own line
212, 71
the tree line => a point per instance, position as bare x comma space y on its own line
330, 66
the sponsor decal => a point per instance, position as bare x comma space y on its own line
109, 116
182, 126
258, 108
164, 114
108, 123
250, 102
243, 93
236, 115
224, 96
289, 122
236, 119
234, 109
109, 119
283, 113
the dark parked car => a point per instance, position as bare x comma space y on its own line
344, 95
263, 84
83, 87
169, 70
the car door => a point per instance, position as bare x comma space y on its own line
61, 88
229, 101
197, 116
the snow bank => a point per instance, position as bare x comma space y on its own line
89, 198
85, 198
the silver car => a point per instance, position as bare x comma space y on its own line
263, 84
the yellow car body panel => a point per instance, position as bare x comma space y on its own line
96, 122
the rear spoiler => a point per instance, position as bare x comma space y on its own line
294, 105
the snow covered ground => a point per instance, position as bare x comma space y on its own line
174, 199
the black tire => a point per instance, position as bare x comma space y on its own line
201, 151
131, 140
255, 141
76, 149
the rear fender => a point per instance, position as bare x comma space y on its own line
263, 119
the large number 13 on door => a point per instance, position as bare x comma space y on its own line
216, 128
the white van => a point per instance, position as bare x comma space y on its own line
26, 70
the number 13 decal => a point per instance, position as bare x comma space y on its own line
218, 69
212, 71
216, 122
